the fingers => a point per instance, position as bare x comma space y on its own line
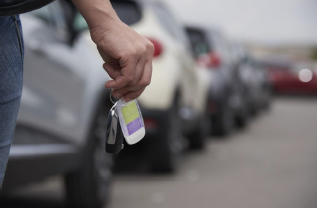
147, 74
128, 61
126, 76
133, 95
145, 55
111, 70
127, 92
138, 71
135, 61
119, 93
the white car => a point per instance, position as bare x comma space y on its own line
63, 116
175, 101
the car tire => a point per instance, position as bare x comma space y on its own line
267, 100
197, 139
222, 123
255, 110
241, 120
89, 187
267, 105
165, 152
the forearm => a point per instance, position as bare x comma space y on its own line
98, 13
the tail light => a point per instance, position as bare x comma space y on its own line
211, 60
203, 60
158, 47
215, 60
150, 124
212, 107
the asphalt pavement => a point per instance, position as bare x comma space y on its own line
270, 164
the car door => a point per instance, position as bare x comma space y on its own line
53, 83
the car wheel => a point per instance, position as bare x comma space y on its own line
254, 109
89, 187
222, 123
197, 139
167, 148
241, 119
267, 105
267, 100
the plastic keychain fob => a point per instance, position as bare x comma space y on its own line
114, 136
131, 121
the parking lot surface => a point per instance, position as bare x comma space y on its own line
271, 164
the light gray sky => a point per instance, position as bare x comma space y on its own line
262, 21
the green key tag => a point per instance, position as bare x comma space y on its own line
131, 121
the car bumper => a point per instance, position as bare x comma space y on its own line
155, 122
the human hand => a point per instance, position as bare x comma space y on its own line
128, 58
127, 55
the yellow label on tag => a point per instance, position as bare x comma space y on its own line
130, 112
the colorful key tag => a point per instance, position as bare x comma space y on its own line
124, 119
131, 121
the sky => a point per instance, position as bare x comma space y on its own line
257, 21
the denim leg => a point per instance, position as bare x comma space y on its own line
11, 76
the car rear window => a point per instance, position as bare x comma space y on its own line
198, 40
128, 11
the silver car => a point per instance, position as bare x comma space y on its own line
62, 119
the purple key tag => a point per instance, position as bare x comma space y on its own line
131, 121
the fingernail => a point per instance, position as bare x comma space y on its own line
116, 95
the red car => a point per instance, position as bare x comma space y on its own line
289, 77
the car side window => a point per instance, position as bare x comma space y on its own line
43, 14
198, 42
221, 46
128, 11
54, 16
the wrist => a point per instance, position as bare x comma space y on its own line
102, 17
98, 14
99, 31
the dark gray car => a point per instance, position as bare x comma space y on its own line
62, 119
212, 49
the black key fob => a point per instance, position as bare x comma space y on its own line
114, 136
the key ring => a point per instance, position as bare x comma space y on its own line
111, 97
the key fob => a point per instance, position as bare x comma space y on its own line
114, 136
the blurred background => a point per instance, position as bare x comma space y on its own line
230, 114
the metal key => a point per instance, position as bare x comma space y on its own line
114, 136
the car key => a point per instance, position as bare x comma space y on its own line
114, 136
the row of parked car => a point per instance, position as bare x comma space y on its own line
202, 84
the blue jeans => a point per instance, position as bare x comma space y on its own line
11, 77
